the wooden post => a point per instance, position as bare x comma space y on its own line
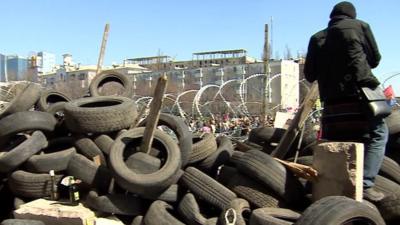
297, 123
154, 114
102, 48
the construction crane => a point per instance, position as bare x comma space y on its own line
102, 48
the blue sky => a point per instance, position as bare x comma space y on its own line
178, 28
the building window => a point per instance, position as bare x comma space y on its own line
81, 76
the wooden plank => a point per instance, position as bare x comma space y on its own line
297, 123
154, 114
306, 172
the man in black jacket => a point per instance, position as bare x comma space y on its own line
340, 58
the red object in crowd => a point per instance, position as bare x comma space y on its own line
389, 93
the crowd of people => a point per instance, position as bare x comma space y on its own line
226, 124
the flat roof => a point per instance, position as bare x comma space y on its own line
149, 58
233, 51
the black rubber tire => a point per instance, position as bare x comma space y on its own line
43, 163
259, 218
265, 135
390, 169
335, 210
11, 160
202, 147
88, 148
21, 222
145, 183
304, 160
274, 175
389, 207
98, 177
50, 97
100, 114
393, 122
257, 194
181, 130
104, 142
23, 101
171, 195
138, 220
57, 110
222, 155
279, 213
18, 202
159, 213
119, 204
241, 207
25, 121
247, 145
386, 186
108, 76
31, 185
207, 188
189, 210
142, 163
59, 144
212, 221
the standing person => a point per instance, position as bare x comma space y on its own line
340, 58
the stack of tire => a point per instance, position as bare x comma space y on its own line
266, 138
184, 178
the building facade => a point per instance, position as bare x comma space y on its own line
45, 62
283, 86
237, 77
199, 60
83, 75
17, 68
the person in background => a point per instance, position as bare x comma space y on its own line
206, 128
340, 58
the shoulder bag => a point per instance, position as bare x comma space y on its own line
376, 101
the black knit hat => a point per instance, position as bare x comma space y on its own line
344, 8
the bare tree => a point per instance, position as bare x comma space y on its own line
277, 55
288, 52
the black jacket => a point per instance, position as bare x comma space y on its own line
314, 65
341, 58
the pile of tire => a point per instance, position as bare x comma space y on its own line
185, 178
266, 138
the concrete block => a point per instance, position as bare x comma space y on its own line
340, 170
53, 212
111, 220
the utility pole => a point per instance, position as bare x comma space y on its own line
266, 96
102, 49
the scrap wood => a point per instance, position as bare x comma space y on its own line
154, 114
306, 172
297, 123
